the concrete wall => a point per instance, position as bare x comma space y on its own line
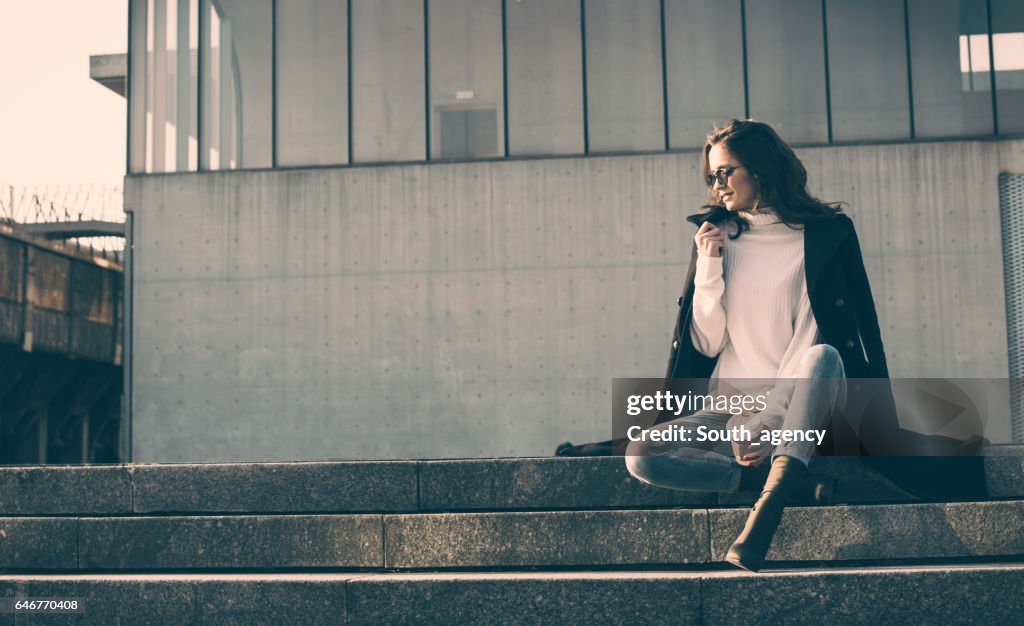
482, 309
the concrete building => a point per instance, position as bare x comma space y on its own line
406, 229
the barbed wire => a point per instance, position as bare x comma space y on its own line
35, 204
61, 203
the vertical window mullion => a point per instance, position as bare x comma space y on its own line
664, 74
583, 52
504, 75
992, 68
426, 78
348, 74
910, 70
201, 25
273, 83
129, 152
828, 78
746, 78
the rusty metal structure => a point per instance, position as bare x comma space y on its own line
61, 329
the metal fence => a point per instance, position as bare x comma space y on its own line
68, 203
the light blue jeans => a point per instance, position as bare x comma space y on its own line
819, 389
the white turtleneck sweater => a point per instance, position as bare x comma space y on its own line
750, 306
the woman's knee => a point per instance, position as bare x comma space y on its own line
822, 360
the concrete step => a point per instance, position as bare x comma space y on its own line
967, 594
403, 486
656, 537
946, 595
565, 539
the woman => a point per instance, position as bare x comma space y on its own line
757, 319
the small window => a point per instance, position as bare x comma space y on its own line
468, 133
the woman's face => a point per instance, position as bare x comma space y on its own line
740, 190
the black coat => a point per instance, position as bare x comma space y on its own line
844, 310
841, 302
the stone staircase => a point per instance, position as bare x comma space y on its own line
550, 540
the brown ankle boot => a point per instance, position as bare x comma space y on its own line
752, 545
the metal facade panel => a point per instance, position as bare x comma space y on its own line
92, 293
49, 331
92, 340
12, 262
10, 322
1011, 206
48, 280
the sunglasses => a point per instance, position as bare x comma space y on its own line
722, 175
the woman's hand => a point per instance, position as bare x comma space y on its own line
755, 455
754, 452
709, 240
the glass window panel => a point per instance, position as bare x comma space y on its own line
179, 136
158, 89
624, 90
237, 104
950, 67
786, 68
704, 67
1008, 54
868, 70
467, 133
186, 108
312, 74
388, 74
164, 85
137, 85
545, 77
465, 79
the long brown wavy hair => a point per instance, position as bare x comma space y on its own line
780, 176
